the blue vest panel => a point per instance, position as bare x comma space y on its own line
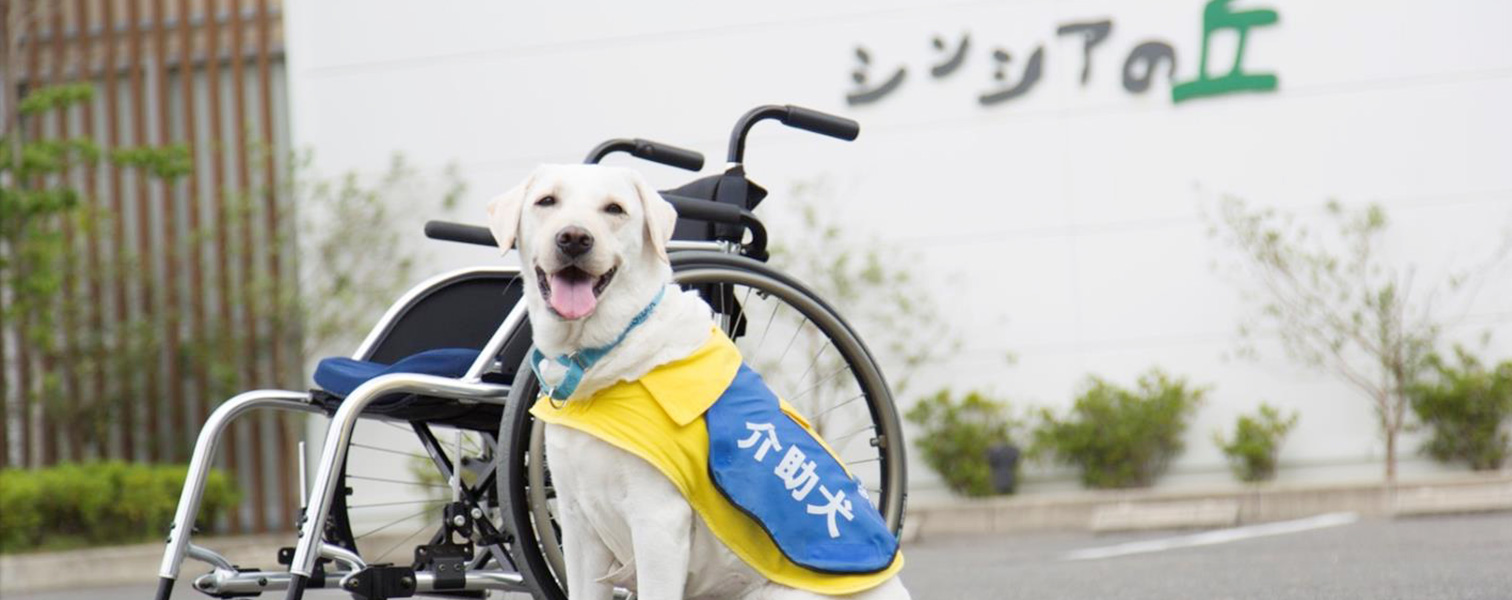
773, 469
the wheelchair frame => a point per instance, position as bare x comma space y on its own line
226, 579
311, 551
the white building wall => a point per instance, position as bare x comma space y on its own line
1062, 226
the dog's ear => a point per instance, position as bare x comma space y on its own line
661, 218
504, 215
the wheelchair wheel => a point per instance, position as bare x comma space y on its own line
393, 489
804, 350
397, 487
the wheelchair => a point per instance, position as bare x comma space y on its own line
450, 356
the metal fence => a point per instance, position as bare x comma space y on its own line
174, 285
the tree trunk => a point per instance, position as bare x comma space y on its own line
1391, 464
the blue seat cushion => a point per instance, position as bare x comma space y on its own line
341, 375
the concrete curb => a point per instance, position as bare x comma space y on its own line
1125, 510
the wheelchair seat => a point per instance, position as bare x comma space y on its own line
340, 375
440, 330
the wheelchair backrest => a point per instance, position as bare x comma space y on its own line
462, 309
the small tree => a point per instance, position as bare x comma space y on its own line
1337, 304
1119, 437
1256, 445
358, 246
956, 436
1467, 407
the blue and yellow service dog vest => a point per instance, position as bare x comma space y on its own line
749, 465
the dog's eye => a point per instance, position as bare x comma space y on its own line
614, 208
546, 201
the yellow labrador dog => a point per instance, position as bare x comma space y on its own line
592, 243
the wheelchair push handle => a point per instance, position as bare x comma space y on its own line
681, 158
656, 152
459, 232
821, 123
796, 117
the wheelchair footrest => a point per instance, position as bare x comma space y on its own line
381, 582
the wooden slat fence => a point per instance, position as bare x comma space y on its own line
170, 296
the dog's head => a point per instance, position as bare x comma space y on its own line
591, 239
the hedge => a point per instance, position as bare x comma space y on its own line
102, 503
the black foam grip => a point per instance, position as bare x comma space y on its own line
822, 123
658, 152
459, 232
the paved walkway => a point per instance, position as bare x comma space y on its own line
1458, 557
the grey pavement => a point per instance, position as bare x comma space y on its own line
1452, 557
1459, 557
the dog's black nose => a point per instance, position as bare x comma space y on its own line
574, 241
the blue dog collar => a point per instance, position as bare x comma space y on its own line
579, 362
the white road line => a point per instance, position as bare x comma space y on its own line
1209, 538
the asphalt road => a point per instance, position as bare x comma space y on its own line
1462, 557
1421, 559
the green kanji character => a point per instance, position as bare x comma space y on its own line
1217, 16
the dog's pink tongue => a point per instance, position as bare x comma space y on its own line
572, 297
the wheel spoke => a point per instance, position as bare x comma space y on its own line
840, 440
404, 503
814, 362
388, 450
771, 318
745, 303
399, 481
403, 428
394, 522
396, 546
838, 405
816, 386
797, 332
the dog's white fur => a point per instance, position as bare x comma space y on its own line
623, 523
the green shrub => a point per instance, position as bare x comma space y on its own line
98, 503
1466, 407
956, 435
20, 510
1121, 438
1256, 443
